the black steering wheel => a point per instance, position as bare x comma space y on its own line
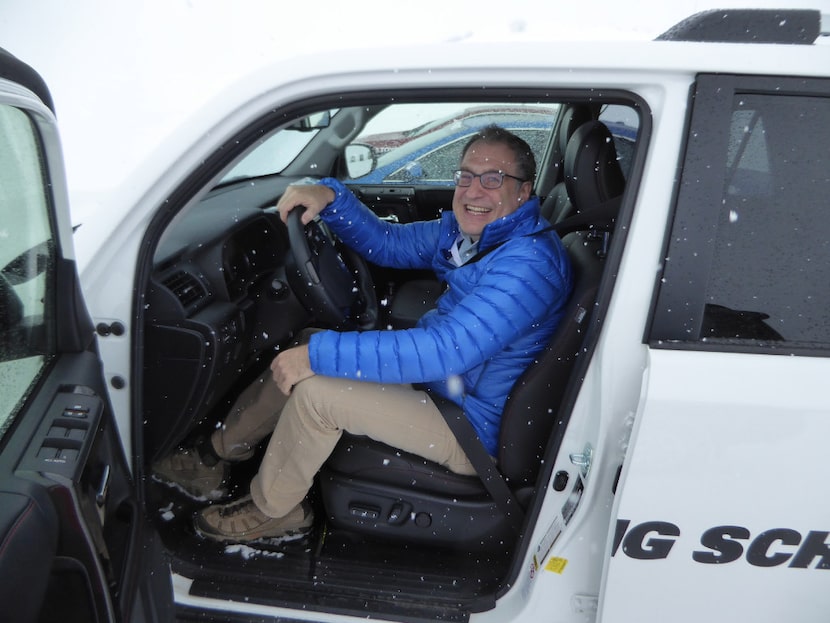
332, 281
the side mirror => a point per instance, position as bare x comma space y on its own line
360, 160
413, 171
28, 264
11, 307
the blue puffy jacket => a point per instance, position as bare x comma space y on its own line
495, 317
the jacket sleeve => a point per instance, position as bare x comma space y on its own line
409, 245
517, 288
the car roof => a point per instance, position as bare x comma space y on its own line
533, 65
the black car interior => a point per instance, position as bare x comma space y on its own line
231, 284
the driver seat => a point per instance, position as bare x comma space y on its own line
371, 488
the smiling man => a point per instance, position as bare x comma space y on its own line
507, 283
498, 192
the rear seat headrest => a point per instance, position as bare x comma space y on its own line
592, 171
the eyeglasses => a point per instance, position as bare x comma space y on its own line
489, 180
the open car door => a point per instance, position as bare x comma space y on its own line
74, 543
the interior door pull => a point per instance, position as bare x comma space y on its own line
103, 487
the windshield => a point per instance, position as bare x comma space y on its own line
410, 143
271, 155
274, 153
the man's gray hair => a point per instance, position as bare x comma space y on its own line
525, 159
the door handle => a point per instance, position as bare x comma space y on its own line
103, 487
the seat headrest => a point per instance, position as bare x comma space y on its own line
572, 118
592, 171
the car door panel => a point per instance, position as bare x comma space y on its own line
71, 456
29, 529
70, 510
74, 543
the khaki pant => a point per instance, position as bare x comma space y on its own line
307, 425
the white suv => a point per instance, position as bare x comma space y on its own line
661, 461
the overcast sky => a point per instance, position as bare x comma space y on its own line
148, 63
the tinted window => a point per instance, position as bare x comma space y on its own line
26, 261
754, 248
772, 255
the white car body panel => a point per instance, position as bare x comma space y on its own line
713, 427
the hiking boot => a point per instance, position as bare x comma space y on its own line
241, 521
196, 470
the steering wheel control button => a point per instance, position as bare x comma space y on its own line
279, 290
312, 272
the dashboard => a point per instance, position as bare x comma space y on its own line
218, 306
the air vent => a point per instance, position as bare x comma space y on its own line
187, 288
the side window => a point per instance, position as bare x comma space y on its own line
423, 143
438, 165
624, 123
749, 257
26, 263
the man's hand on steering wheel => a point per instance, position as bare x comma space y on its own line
313, 197
331, 280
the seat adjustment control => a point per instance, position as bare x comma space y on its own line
361, 511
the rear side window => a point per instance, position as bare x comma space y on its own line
748, 261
